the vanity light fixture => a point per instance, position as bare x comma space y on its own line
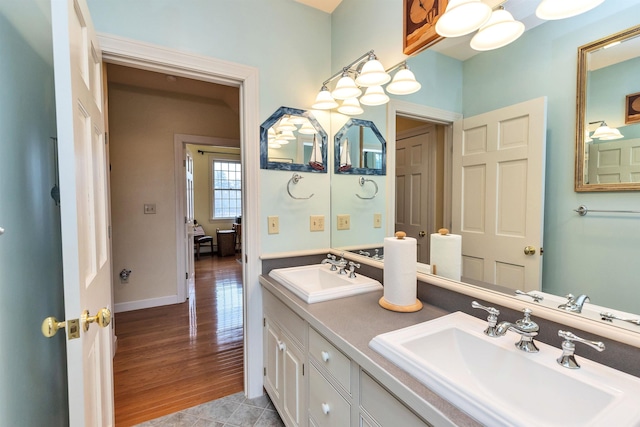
604, 132
560, 9
498, 28
369, 73
350, 107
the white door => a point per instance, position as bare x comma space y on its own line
189, 222
84, 211
613, 162
415, 187
498, 194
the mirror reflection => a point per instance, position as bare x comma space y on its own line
580, 255
293, 140
360, 148
608, 134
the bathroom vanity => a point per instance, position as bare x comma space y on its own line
319, 369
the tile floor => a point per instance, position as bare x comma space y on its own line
234, 410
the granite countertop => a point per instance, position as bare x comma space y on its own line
350, 323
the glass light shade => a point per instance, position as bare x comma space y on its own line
462, 17
274, 145
403, 83
307, 129
350, 107
281, 141
606, 133
324, 100
287, 134
297, 120
374, 95
500, 30
271, 132
346, 88
587, 138
372, 74
560, 9
613, 134
285, 125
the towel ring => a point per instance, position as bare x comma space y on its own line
295, 178
361, 181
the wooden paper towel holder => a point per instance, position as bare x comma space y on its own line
417, 306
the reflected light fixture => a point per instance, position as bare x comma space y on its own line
500, 30
404, 82
285, 125
324, 100
307, 128
370, 74
287, 134
346, 87
350, 107
604, 132
462, 17
560, 9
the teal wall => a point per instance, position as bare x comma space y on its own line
592, 254
32, 368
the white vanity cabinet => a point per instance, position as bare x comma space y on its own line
284, 358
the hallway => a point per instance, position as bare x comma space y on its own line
174, 357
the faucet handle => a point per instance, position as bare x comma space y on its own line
526, 324
536, 297
492, 318
352, 269
568, 359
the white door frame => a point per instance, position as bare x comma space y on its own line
179, 144
136, 54
423, 113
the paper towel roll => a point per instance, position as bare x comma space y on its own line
400, 271
446, 255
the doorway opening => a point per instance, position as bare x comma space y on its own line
150, 118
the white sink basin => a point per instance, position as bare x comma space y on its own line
499, 385
315, 283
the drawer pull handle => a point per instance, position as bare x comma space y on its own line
281, 346
325, 408
325, 356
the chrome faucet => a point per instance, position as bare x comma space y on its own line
331, 259
574, 304
533, 295
492, 318
527, 329
568, 359
352, 269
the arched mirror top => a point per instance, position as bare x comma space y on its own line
293, 140
608, 113
360, 149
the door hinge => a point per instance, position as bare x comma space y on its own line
186, 275
184, 163
264, 322
264, 371
106, 138
246, 258
541, 251
303, 369
109, 231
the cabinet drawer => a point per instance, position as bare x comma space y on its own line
332, 359
383, 407
326, 407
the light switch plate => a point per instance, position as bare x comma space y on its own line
274, 224
316, 223
344, 222
150, 208
377, 220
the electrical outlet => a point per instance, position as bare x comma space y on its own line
150, 208
377, 220
344, 222
317, 223
274, 224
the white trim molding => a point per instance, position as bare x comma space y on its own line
132, 53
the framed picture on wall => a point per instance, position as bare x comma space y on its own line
632, 109
420, 17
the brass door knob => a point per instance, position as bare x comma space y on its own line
102, 318
51, 325
529, 250
422, 234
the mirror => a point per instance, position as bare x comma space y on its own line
360, 149
608, 114
293, 140
581, 253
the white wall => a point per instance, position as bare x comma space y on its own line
142, 124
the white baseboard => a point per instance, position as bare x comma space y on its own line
146, 303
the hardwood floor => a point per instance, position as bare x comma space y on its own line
175, 357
